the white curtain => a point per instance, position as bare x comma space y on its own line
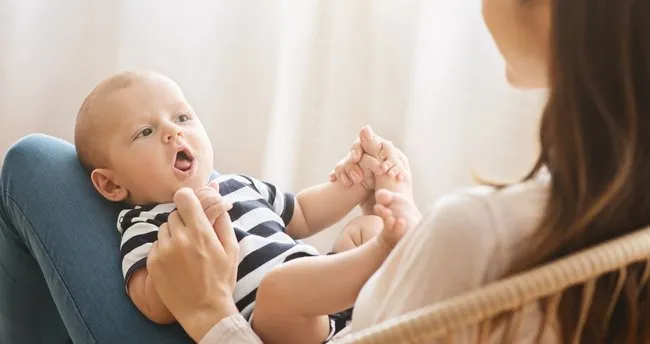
284, 86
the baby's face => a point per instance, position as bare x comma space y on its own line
156, 143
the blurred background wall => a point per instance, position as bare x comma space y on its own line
283, 86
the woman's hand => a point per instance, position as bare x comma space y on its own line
194, 266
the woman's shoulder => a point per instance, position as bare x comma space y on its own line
492, 222
526, 195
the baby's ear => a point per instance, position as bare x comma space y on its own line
105, 183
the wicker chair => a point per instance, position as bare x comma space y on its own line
507, 297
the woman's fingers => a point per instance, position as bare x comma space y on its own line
368, 162
390, 155
163, 232
401, 170
226, 235
174, 223
370, 142
380, 148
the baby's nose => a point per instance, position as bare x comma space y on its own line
173, 133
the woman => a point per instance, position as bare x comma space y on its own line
590, 185
592, 54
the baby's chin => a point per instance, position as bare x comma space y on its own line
165, 192
193, 183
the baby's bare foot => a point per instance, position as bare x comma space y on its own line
398, 213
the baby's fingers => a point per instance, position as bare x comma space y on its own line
356, 151
332, 177
215, 185
340, 173
354, 173
208, 198
214, 211
343, 177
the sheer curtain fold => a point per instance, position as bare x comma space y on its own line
283, 86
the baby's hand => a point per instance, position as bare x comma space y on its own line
384, 166
357, 168
369, 157
399, 213
212, 203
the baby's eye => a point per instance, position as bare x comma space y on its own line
145, 132
183, 118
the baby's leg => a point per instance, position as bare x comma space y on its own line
295, 298
357, 232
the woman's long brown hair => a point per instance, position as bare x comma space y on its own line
595, 142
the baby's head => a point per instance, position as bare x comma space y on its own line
140, 139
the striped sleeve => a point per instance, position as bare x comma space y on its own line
138, 234
283, 203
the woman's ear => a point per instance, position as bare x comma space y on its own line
105, 183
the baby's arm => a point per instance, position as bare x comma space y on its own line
320, 206
141, 288
146, 299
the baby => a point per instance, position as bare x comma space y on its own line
141, 141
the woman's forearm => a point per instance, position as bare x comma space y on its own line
233, 329
197, 324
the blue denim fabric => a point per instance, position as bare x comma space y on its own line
60, 275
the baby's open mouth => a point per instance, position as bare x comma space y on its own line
183, 160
